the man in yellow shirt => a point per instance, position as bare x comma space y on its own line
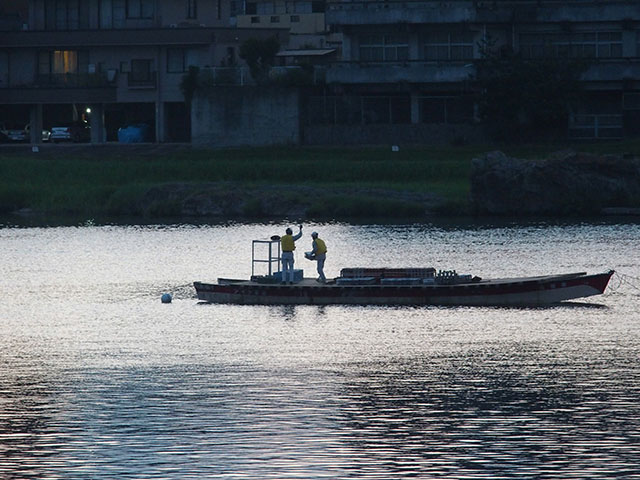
319, 254
288, 243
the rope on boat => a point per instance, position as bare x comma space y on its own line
629, 280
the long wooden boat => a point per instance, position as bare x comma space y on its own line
429, 290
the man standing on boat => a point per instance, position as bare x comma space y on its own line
319, 254
288, 243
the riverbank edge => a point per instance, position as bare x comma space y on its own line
271, 198
237, 201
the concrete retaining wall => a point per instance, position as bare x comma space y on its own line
245, 116
259, 116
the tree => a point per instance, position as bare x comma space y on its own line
189, 84
260, 56
521, 99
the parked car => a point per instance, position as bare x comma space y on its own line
46, 134
72, 132
4, 138
17, 133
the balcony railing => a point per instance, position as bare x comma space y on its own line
298, 75
225, 76
73, 80
606, 126
240, 76
405, 71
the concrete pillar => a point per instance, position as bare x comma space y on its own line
415, 108
35, 122
160, 122
97, 123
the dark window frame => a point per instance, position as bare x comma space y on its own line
134, 72
184, 60
192, 8
137, 9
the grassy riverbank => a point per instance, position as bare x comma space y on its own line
97, 180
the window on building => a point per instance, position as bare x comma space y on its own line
139, 8
124, 67
355, 110
375, 110
265, 8
298, 6
443, 109
255, 19
112, 13
4, 69
58, 62
179, 59
448, 46
295, 18
572, 45
234, 9
66, 15
141, 70
318, 6
61, 67
595, 126
251, 8
192, 8
275, 19
384, 48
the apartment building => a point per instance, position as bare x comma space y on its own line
410, 65
117, 62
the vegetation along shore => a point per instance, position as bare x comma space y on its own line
153, 181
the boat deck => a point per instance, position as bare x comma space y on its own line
331, 283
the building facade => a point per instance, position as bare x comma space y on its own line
391, 71
413, 63
115, 63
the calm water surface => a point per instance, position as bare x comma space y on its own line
100, 380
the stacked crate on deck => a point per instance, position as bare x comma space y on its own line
386, 276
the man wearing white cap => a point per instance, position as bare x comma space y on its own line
319, 254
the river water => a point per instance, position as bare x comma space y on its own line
100, 380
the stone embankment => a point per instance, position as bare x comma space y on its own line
566, 183
237, 200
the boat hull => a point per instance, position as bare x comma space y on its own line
532, 291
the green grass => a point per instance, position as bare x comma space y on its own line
95, 183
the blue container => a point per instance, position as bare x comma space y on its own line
134, 133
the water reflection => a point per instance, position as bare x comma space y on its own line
487, 415
101, 380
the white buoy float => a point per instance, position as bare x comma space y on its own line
166, 298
